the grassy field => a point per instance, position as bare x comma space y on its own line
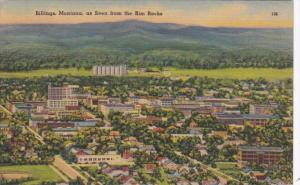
229, 73
229, 168
46, 72
38, 172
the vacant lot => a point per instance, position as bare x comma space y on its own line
230, 73
38, 172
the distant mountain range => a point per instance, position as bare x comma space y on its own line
134, 37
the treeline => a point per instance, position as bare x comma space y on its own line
25, 60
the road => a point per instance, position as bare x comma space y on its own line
64, 167
36, 135
5, 110
222, 176
59, 173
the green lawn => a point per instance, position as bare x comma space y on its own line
231, 73
164, 178
39, 173
46, 72
229, 168
234, 73
226, 165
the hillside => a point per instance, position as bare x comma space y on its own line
138, 43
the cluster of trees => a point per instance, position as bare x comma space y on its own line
22, 148
36, 88
14, 60
14, 181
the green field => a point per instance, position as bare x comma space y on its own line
230, 73
229, 168
39, 173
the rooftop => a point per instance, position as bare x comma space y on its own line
260, 149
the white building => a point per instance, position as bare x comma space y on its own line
106, 70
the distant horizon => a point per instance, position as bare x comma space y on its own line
149, 22
239, 14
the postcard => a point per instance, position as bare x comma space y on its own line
138, 92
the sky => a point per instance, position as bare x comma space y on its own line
211, 13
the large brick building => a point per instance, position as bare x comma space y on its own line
260, 155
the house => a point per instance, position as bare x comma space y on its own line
116, 171
183, 169
149, 149
161, 160
222, 134
127, 154
170, 165
65, 132
202, 149
259, 175
210, 182
81, 151
149, 167
132, 141
129, 180
5, 130
176, 137
156, 129
183, 182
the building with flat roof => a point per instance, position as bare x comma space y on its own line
260, 155
110, 157
63, 92
258, 120
125, 108
264, 109
230, 119
110, 70
63, 100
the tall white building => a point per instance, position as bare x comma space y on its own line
59, 98
108, 70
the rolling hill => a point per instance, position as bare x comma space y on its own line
138, 43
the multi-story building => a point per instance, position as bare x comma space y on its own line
63, 100
64, 92
260, 155
263, 109
125, 108
109, 70
230, 119
166, 102
258, 120
62, 104
94, 159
